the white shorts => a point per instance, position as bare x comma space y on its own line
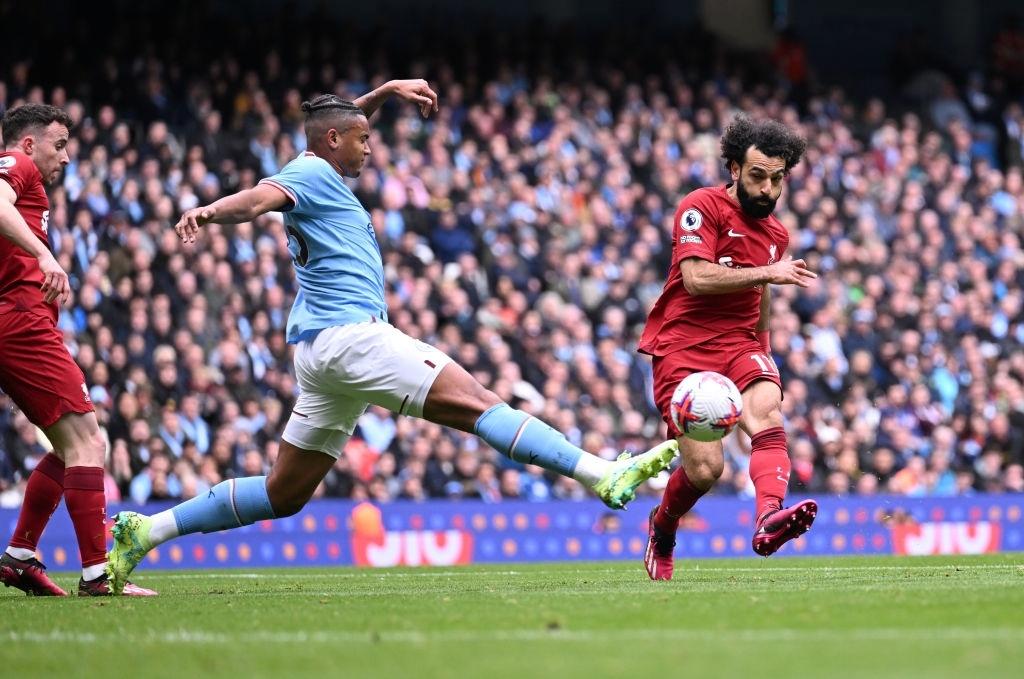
348, 367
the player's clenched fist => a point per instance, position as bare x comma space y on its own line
791, 272
188, 226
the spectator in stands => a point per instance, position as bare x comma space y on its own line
523, 231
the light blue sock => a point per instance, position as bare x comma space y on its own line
526, 439
229, 504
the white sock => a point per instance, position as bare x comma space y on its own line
21, 553
590, 469
163, 528
93, 572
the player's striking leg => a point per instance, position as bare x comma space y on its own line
523, 438
18, 565
229, 504
769, 470
459, 401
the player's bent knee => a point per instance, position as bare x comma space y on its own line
99, 447
704, 462
706, 473
764, 420
457, 400
775, 418
287, 498
288, 505
762, 406
89, 452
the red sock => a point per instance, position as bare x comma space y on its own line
42, 497
769, 468
83, 494
680, 496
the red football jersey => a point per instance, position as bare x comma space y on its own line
20, 275
710, 225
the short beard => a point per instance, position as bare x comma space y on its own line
754, 207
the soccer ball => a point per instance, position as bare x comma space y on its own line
706, 406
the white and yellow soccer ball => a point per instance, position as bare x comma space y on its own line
706, 406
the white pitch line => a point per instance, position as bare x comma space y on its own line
183, 636
349, 573
811, 569
640, 588
430, 573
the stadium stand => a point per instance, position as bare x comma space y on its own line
525, 231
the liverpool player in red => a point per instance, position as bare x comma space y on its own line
713, 315
36, 370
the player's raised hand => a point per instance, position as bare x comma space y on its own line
791, 272
418, 92
188, 226
55, 281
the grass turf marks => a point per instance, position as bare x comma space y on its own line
849, 617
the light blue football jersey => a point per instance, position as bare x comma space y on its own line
333, 247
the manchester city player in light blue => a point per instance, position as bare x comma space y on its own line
347, 355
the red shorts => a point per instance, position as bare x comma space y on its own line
37, 371
741, 360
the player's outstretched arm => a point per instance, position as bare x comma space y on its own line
416, 91
243, 206
705, 278
13, 227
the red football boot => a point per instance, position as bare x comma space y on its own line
28, 575
658, 557
101, 587
776, 528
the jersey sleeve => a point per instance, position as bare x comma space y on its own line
16, 172
300, 180
695, 229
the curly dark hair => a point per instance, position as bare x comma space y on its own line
21, 120
770, 137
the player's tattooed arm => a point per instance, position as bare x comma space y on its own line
416, 91
705, 278
56, 285
243, 206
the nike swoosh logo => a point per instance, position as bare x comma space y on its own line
736, 235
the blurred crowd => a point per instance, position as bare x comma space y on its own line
525, 230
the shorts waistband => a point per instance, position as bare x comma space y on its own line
310, 335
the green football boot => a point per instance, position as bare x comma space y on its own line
624, 475
131, 544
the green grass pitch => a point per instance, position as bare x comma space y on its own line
773, 618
